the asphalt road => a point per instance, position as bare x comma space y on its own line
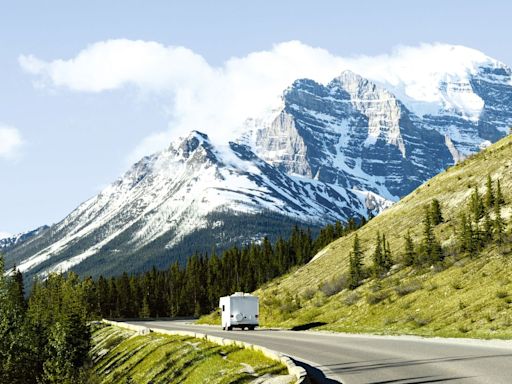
356, 359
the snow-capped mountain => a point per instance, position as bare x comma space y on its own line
329, 152
360, 134
168, 196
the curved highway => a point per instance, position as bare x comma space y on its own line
358, 359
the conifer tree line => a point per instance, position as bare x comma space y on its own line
479, 224
45, 339
195, 288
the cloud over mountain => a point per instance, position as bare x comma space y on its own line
218, 99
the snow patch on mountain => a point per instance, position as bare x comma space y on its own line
173, 192
430, 79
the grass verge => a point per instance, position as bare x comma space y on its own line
122, 356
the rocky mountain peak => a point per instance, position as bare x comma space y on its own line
195, 148
185, 146
351, 82
381, 108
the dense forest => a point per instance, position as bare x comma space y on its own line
195, 288
44, 339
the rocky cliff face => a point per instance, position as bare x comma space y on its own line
358, 135
352, 133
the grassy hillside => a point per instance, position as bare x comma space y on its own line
465, 296
120, 356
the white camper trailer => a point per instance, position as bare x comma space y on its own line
239, 310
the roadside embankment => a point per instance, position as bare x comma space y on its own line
125, 353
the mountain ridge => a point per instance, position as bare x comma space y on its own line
140, 207
9, 240
346, 149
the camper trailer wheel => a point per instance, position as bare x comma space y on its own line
251, 328
229, 328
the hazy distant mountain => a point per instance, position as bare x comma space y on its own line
10, 241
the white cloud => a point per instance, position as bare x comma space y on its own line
11, 142
111, 64
217, 100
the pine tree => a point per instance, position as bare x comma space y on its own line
270, 270
103, 298
135, 296
465, 236
435, 212
113, 299
476, 206
428, 234
356, 264
145, 311
388, 259
174, 289
499, 223
15, 340
382, 261
378, 257
437, 254
409, 253
57, 318
430, 249
487, 227
296, 240
338, 231
478, 236
17, 290
125, 297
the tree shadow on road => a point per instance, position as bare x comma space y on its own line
315, 375
305, 327
363, 366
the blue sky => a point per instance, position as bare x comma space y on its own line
63, 137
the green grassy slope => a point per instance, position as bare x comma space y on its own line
120, 356
466, 296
